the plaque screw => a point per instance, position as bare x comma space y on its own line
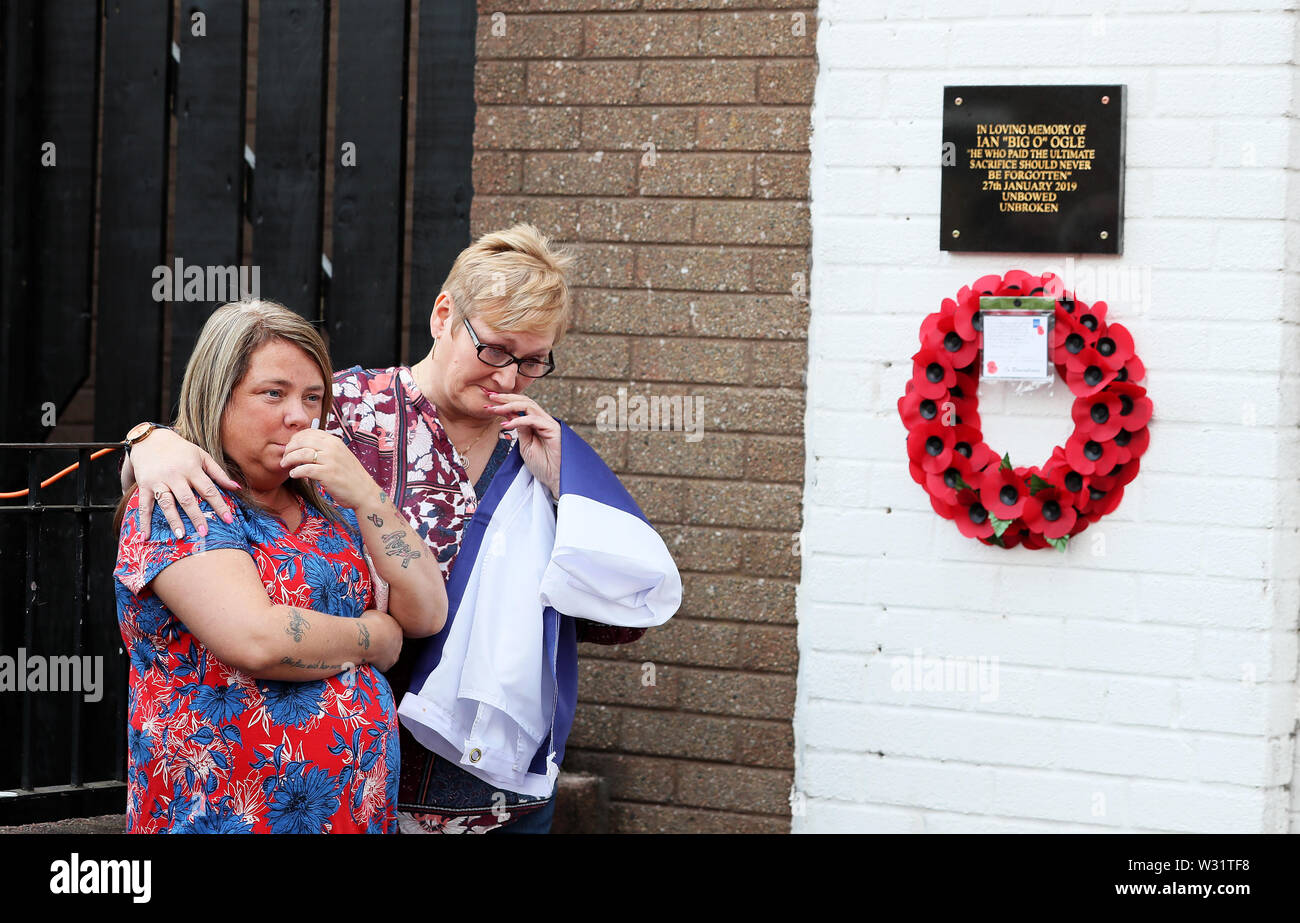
956, 233
957, 101
1105, 234
1105, 100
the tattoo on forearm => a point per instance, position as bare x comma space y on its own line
395, 543
298, 625
374, 517
383, 497
363, 636
295, 662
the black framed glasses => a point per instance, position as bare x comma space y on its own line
498, 358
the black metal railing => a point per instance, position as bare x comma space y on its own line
57, 551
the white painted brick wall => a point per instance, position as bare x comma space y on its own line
1146, 680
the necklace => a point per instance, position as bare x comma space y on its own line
464, 453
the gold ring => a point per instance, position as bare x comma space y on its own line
316, 457
160, 492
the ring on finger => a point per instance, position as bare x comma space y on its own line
315, 458
160, 492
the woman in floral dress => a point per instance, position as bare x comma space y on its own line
256, 701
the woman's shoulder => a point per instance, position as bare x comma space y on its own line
357, 382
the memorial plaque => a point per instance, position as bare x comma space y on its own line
1033, 169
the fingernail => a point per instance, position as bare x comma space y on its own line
179, 533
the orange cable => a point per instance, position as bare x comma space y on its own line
13, 495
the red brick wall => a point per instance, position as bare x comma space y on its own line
685, 276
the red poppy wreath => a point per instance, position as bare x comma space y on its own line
985, 495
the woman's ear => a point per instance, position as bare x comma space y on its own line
440, 319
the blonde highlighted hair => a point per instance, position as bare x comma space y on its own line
219, 363
514, 280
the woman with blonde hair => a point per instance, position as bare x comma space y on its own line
256, 702
540, 545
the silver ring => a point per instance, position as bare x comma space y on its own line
160, 492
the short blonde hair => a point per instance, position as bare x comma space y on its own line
218, 364
514, 280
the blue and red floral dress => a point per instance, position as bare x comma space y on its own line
214, 750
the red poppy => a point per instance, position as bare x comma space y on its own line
931, 445
1103, 502
1114, 346
965, 318
1088, 456
1092, 317
939, 333
1012, 537
1049, 514
1098, 416
1017, 282
916, 409
953, 484
1135, 406
1125, 473
973, 520
1133, 371
1085, 373
1130, 446
932, 373
1065, 329
1002, 492
1072, 484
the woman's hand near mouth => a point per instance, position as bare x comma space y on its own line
324, 458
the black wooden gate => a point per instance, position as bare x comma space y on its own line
185, 178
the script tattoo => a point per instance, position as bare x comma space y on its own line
374, 517
295, 662
395, 543
363, 636
298, 625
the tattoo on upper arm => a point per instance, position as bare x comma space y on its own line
363, 636
395, 543
375, 518
298, 625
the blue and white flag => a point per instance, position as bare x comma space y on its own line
495, 690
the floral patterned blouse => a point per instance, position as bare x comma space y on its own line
214, 750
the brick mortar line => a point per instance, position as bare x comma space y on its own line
707, 340
675, 710
1056, 823
1030, 615
637, 198
720, 812
700, 58
1041, 667
688, 759
1092, 775
699, 13
1227, 736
